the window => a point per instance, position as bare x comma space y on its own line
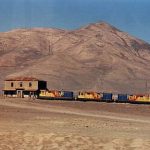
12, 84
30, 84
20, 84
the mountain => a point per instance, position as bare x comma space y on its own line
96, 57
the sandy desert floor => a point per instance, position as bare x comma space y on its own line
61, 125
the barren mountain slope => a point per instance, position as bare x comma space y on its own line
95, 57
23, 47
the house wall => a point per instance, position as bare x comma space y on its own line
25, 85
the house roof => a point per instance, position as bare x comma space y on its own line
22, 79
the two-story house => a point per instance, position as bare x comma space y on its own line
23, 87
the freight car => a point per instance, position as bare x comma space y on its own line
107, 97
122, 98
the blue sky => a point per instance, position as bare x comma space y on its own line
131, 16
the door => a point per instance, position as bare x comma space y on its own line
20, 93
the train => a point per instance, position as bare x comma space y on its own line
93, 96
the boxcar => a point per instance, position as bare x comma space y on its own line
122, 98
107, 97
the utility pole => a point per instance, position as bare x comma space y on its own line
146, 86
100, 80
50, 49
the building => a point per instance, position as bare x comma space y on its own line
23, 87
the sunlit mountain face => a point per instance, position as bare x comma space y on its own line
96, 57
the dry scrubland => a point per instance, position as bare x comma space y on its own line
44, 125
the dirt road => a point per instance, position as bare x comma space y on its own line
43, 125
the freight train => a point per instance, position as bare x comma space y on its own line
93, 96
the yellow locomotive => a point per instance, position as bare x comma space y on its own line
139, 98
56, 94
93, 96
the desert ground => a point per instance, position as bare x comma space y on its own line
63, 125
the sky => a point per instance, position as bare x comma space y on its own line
131, 16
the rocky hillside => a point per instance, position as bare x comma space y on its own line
96, 57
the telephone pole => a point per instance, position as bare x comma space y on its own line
50, 48
146, 86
